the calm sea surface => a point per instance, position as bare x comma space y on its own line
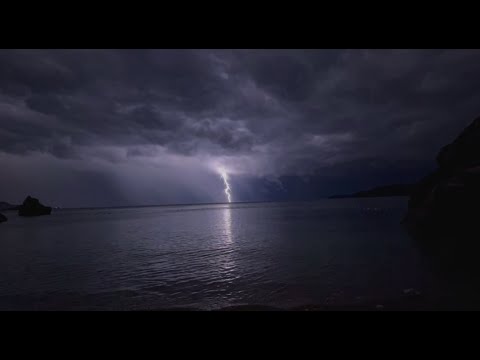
210, 256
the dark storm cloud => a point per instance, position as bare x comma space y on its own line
268, 112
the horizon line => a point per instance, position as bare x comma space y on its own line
182, 204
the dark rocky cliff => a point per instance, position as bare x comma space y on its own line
448, 199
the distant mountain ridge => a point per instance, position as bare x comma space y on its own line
380, 191
7, 206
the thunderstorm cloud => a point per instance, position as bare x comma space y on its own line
125, 127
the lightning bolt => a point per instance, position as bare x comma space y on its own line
227, 190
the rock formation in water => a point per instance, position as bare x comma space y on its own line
3, 218
448, 199
33, 207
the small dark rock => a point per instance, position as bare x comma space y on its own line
33, 207
3, 218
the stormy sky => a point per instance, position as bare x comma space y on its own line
132, 127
